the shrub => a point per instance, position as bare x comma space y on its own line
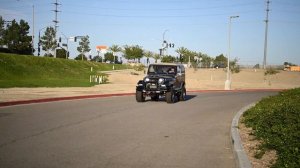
139, 67
276, 121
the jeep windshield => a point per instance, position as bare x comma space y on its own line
162, 69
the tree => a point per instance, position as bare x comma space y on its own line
84, 46
2, 31
221, 61
16, 38
206, 60
81, 57
109, 57
234, 67
96, 59
168, 59
182, 51
62, 53
133, 52
48, 41
115, 49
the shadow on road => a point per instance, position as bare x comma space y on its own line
189, 97
162, 99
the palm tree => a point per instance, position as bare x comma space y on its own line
115, 49
182, 51
156, 57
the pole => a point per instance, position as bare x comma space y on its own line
228, 79
163, 42
32, 29
266, 35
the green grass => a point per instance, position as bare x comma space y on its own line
32, 71
276, 121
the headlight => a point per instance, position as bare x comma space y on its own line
147, 79
161, 80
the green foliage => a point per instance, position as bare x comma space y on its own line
289, 64
61, 53
168, 59
81, 57
115, 49
109, 57
234, 67
84, 46
48, 41
221, 60
2, 31
15, 36
133, 52
276, 121
139, 67
271, 71
30, 71
206, 61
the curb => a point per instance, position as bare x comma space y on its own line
241, 157
12, 103
20, 102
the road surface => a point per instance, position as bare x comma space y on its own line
118, 132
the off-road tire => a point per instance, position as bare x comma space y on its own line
139, 96
170, 97
182, 94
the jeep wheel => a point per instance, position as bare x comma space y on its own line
182, 94
139, 96
170, 97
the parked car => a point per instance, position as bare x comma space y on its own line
162, 80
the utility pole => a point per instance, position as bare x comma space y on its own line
55, 21
56, 11
32, 29
266, 35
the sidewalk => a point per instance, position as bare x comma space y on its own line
125, 82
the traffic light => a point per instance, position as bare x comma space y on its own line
59, 39
75, 39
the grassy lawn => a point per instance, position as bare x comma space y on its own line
276, 121
32, 71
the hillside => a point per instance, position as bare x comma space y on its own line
32, 71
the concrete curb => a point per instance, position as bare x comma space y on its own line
241, 157
20, 102
12, 103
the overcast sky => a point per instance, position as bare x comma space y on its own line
199, 25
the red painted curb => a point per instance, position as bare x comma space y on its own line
12, 103
2, 104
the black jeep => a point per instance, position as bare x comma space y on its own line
162, 80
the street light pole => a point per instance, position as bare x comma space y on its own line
163, 43
228, 79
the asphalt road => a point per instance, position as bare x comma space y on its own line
119, 132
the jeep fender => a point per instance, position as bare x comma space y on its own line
140, 85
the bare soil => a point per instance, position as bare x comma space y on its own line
251, 147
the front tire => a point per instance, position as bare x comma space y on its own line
139, 96
170, 97
182, 94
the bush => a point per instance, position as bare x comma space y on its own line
139, 67
276, 121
